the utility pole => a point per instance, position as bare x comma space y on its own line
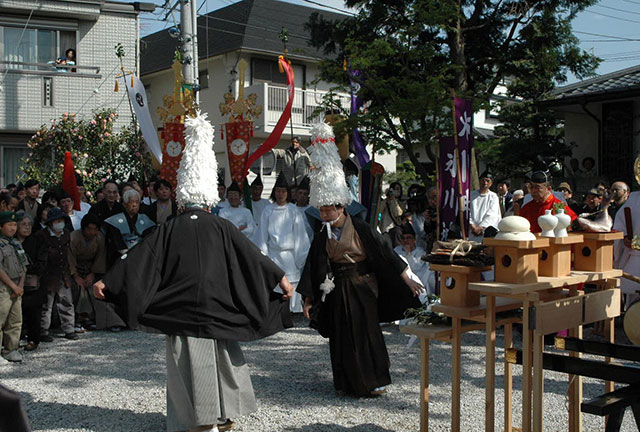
189, 33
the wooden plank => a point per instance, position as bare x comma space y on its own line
558, 315
571, 239
617, 351
508, 380
455, 374
490, 368
613, 401
544, 282
518, 244
526, 367
538, 382
601, 305
575, 390
458, 268
608, 236
424, 385
502, 305
427, 332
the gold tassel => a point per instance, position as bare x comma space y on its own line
132, 82
116, 87
280, 68
344, 64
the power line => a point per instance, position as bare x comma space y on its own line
330, 7
611, 16
617, 9
632, 2
620, 38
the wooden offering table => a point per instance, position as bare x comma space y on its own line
474, 318
549, 305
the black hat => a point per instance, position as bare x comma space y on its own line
234, 187
53, 214
257, 181
8, 216
281, 181
304, 184
408, 229
540, 177
79, 181
486, 174
132, 178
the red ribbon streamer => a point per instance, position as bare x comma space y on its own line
273, 139
69, 181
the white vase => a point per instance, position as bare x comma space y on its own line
564, 220
547, 222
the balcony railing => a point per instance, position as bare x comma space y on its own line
306, 104
29, 68
306, 109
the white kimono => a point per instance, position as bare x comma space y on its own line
240, 216
282, 236
258, 207
625, 258
485, 211
419, 267
307, 225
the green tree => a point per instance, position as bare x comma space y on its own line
98, 152
413, 53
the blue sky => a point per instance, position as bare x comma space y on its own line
609, 29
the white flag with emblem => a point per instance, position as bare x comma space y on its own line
138, 98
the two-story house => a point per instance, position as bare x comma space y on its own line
33, 34
248, 30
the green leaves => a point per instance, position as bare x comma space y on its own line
98, 152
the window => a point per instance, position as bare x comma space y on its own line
35, 45
263, 70
11, 163
203, 79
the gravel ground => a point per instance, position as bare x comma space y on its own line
107, 382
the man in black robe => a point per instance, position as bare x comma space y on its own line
367, 292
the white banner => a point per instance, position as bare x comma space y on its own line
138, 98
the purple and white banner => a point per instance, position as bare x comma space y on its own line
448, 169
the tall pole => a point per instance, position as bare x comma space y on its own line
189, 31
194, 43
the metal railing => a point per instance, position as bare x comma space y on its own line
305, 104
48, 69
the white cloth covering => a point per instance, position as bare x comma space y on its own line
485, 211
240, 216
258, 207
76, 219
282, 236
417, 222
309, 229
419, 267
626, 258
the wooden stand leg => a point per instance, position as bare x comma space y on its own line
508, 380
575, 391
455, 374
490, 361
526, 368
610, 335
538, 382
424, 385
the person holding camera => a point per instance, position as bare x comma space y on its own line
392, 208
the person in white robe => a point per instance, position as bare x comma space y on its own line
302, 204
258, 204
484, 208
412, 255
239, 216
282, 236
626, 252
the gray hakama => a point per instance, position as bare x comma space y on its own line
207, 380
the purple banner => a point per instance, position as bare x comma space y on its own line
448, 193
448, 169
356, 104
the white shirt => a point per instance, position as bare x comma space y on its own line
419, 267
240, 216
485, 211
625, 258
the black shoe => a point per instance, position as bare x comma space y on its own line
31, 346
46, 338
71, 336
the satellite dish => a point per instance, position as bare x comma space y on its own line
268, 162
